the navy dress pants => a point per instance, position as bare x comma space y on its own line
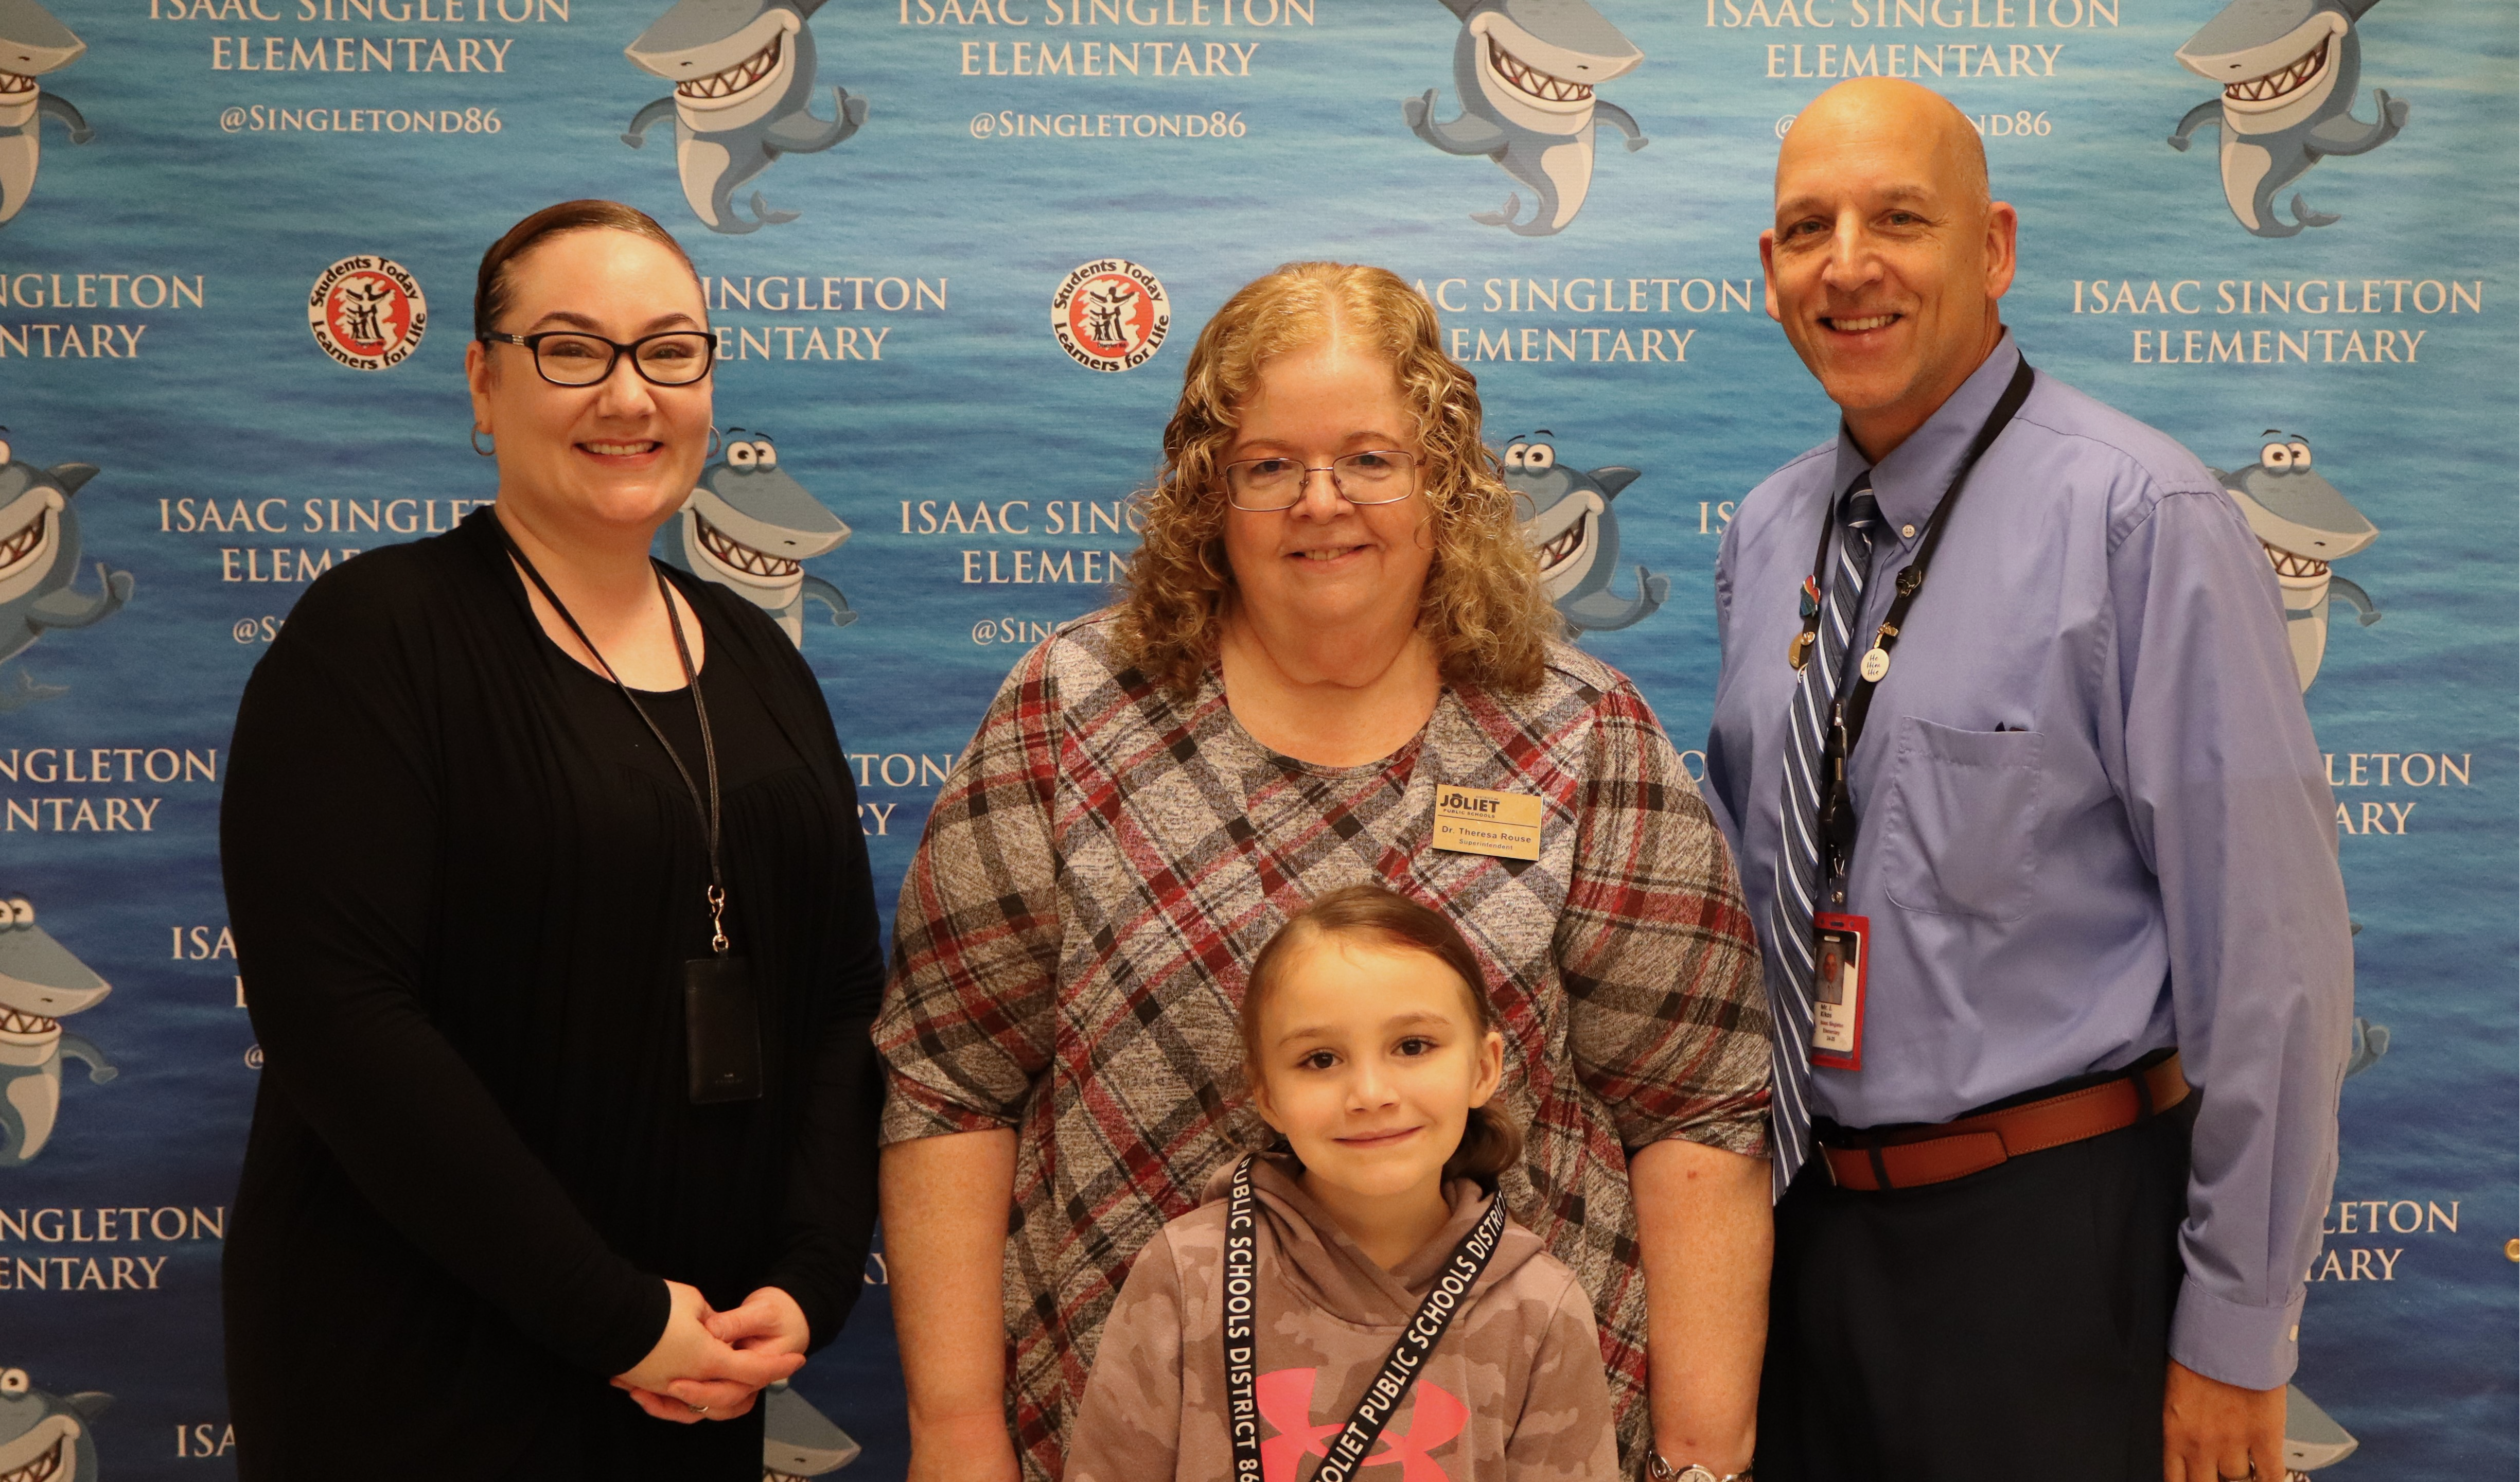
2007, 1324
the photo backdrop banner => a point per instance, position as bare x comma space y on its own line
955, 252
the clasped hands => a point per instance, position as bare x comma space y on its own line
711, 1365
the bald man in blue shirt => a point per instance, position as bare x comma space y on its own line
2053, 1147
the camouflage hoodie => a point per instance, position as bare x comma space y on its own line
1514, 1393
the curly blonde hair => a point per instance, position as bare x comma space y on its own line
1482, 606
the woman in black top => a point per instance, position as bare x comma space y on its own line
482, 1197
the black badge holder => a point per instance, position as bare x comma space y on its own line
721, 1008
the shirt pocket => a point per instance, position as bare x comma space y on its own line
1960, 833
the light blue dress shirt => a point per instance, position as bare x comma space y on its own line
2094, 820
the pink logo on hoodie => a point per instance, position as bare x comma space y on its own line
1287, 1403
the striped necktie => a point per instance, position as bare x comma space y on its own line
1798, 884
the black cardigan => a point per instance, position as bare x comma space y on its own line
462, 880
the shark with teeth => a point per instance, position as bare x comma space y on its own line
1526, 71
1571, 526
2305, 525
41, 984
2288, 70
798, 1441
750, 528
39, 556
743, 72
31, 44
47, 1437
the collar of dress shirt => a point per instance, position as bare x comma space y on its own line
1909, 482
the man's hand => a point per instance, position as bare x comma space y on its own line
2212, 1430
695, 1375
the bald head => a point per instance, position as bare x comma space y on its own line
1917, 123
1887, 255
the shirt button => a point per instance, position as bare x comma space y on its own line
1907, 532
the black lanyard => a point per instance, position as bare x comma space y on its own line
1435, 1312
708, 808
1854, 702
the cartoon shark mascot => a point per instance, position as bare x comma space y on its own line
39, 556
798, 1441
743, 72
2305, 524
47, 1437
31, 44
1526, 71
749, 529
2288, 70
40, 985
1570, 524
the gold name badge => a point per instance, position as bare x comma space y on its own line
1476, 820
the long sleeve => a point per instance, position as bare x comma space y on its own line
966, 1028
1668, 1012
331, 845
1563, 1432
1129, 1428
830, 1224
2228, 801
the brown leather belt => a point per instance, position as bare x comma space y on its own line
1973, 1144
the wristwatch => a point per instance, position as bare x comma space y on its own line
1659, 1470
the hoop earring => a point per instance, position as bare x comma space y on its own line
476, 443
714, 442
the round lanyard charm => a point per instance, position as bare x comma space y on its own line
1799, 651
1877, 663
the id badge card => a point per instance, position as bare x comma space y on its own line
1838, 990
722, 1030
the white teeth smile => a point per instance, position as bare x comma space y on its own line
1332, 555
41, 1467
13, 82
1532, 80
1555, 553
19, 547
744, 558
13, 1022
619, 449
2282, 80
736, 79
1859, 326
2288, 564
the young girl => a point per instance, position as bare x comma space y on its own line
1361, 1300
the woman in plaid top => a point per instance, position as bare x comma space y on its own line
1333, 615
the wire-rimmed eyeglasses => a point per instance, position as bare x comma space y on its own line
1382, 476
575, 358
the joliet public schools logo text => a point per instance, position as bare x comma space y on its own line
366, 312
1111, 315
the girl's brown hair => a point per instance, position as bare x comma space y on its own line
490, 285
1490, 1145
1482, 608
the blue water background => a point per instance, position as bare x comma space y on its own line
232, 400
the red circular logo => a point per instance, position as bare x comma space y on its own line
366, 312
1111, 315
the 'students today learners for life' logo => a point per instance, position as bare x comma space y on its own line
366, 312
1111, 315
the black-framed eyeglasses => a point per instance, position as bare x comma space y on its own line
1382, 476
575, 358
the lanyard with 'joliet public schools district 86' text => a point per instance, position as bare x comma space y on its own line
1347, 1450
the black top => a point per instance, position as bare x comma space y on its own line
462, 881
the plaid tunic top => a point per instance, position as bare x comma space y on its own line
1106, 859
